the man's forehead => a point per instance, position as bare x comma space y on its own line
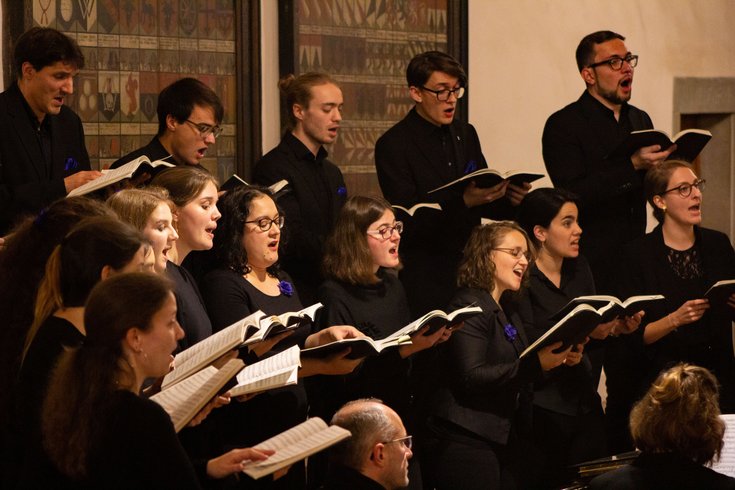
610, 48
61, 67
203, 113
440, 78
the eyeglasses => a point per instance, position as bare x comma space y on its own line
685, 190
264, 224
443, 95
407, 441
616, 62
387, 231
516, 253
206, 129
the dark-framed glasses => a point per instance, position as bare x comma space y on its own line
387, 231
616, 62
443, 95
516, 253
407, 441
206, 129
264, 224
685, 190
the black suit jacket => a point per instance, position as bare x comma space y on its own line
484, 387
308, 223
410, 161
26, 184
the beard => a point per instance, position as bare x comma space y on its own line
613, 97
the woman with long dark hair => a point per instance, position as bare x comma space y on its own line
97, 430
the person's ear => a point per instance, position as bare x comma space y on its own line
588, 75
658, 201
133, 340
27, 71
377, 455
171, 122
540, 233
415, 94
106, 273
298, 111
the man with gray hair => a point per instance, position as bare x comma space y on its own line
377, 454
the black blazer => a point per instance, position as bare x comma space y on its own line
26, 186
483, 384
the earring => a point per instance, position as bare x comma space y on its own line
663, 209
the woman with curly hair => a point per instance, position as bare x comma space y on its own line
479, 412
678, 429
248, 279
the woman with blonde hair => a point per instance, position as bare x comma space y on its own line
149, 210
678, 429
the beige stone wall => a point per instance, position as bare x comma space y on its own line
522, 68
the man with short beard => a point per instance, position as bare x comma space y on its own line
612, 209
577, 140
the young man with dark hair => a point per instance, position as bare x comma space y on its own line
42, 152
425, 150
189, 114
376, 456
577, 140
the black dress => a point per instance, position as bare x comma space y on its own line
54, 336
648, 266
230, 297
191, 312
376, 310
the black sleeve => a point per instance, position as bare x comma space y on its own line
477, 371
569, 166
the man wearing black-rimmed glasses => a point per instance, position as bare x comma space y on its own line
428, 149
612, 210
189, 117
577, 140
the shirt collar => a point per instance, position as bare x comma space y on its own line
590, 103
45, 124
424, 127
301, 151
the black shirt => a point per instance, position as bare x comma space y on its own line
191, 312
314, 198
569, 390
576, 142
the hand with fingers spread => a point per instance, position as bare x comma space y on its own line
690, 312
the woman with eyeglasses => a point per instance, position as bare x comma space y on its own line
362, 289
568, 423
247, 279
680, 260
480, 411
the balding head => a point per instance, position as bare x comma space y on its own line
377, 448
